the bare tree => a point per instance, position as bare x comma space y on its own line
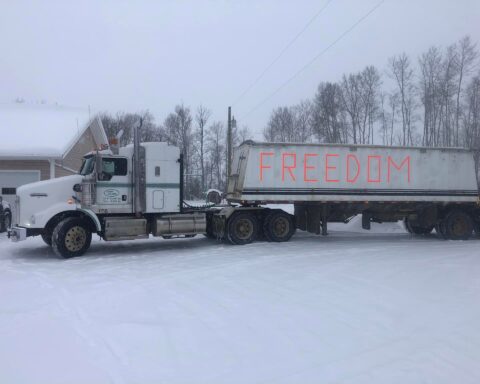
201, 118
402, 73
178, 130
430, 78
466, 59
352, 102
370, 84
328, 114
303, 114
216, 155
127, 121
471, 118
244, 134
281, 126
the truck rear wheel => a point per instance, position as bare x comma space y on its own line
278, 226
458, 225
242, 228
71, 237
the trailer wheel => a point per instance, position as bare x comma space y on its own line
242, 228
278, 226
71, 237
47, 238
458, 225
417, 230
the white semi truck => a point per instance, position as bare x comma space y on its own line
137, 191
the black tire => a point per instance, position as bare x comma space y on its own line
242, 228
7, 222
458, 225
47, 238
278, 226
71, 237
417, 230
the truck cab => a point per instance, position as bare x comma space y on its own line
127, 194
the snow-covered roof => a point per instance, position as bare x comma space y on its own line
40, 130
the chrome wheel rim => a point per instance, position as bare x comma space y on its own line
75, 239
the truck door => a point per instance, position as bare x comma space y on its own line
163, 186
114, 185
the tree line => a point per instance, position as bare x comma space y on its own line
201, 140
432, 101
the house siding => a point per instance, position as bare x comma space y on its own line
60, 172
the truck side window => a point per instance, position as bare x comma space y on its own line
157, 171
115, 166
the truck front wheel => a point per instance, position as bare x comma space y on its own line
71, 237
242, 228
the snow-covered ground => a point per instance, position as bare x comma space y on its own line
354, 307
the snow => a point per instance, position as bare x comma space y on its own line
46, 130
352, 307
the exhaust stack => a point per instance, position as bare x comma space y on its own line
139, 172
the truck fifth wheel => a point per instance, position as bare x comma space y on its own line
137, 191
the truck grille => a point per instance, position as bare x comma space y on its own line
88, 194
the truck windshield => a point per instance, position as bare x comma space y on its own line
87, 165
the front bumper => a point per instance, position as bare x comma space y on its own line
17, 234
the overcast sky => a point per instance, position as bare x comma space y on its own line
138, 55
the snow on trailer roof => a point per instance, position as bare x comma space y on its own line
266, 143
39, 130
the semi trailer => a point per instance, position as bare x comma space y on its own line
136, 191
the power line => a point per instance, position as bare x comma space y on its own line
281, 53
315, 58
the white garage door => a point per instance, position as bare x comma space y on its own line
14, 179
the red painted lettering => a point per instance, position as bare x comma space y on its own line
289, 167
398, 167
379, 160
349, 179
262, 166
306, 167
328, 167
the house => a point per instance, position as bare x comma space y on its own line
42, 141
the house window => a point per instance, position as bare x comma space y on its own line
157, 171
9, 191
